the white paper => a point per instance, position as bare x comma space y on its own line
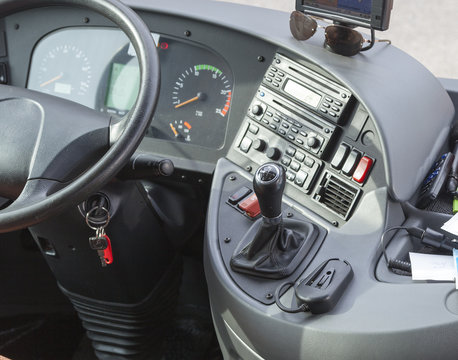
432, 267
451, 226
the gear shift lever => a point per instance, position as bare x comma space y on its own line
269, 183
273, 248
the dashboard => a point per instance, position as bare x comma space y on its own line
354, 134
214, 80
196, 86
303, 113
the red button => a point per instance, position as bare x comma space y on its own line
250, 206
362, 170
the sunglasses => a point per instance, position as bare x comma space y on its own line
340, 39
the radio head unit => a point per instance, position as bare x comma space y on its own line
308, 89
373, 14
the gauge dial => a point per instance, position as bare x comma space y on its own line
181, 130
64, 71
201, 97
205, 87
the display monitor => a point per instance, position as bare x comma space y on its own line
373, 14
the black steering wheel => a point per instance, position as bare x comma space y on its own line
55, 153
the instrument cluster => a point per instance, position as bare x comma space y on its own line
196, 83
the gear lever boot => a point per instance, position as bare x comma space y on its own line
273, 247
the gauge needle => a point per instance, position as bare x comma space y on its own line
51, 80
195, 98
175, 132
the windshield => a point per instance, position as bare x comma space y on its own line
422, 28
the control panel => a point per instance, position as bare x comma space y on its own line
312, 126
306, 130
308, 89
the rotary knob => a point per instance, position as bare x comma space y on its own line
273, 153
257, 110
259, 145
313, 142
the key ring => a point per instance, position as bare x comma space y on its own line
88, 214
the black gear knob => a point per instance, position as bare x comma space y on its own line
269, 183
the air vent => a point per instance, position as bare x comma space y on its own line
336, 195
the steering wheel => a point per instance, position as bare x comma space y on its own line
55, 153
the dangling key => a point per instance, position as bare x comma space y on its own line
101, 242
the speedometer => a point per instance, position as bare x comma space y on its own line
64, 71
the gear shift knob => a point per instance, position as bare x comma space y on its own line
269, 183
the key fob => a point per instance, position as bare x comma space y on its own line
322, 289
98, 243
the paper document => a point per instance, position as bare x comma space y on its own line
451, 226
432, 267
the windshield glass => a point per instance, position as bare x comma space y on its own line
422, 28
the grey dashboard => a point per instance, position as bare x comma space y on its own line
321, 118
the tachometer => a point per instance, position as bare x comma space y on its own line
64, 71
201, 96
206, 88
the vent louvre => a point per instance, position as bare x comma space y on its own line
337, 196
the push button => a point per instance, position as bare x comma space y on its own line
250, 206
290, 151
362, 170
300, 178
300, 156
290, 175
295, 166
309, 162
253, 129
340, 156
286, 161
239, 195
351, 162
246, 144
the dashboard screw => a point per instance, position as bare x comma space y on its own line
261, 58
227, 240
232, 178
289, 214
187, 33
248, 168
269, 296
85, 20
16, 26
335, 223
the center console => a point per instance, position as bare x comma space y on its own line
318, 131
355, 138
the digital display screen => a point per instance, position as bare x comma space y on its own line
361, 8
367, 13
302, 93
123, 86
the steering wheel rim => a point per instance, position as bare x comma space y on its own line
125, 135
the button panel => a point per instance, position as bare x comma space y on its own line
301, 173
302, 169
352, 162
334, 98
311, 135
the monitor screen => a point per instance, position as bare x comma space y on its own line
367, 13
